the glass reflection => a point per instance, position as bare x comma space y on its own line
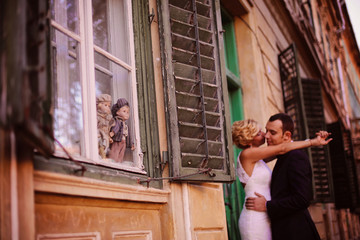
66, 14
68, 123
115, 124
111, 17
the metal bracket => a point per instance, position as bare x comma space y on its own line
165, 160
152, 16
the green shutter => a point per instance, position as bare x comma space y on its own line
195, 90
343, 166
146, 89
303, 102
26, 88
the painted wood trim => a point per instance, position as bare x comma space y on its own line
169, 86
87, 187
111, 57
58, 236
149, 141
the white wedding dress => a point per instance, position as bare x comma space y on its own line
255, 225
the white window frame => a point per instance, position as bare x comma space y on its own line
87, 80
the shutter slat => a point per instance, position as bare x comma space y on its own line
185, 29
190, 72
191, 86
192, 130
194, 116
188, 43
189, 58
186, 17
191, 145
194, 160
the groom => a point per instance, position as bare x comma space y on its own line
291, 187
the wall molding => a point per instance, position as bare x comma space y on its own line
87, 187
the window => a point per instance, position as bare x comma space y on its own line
303, 102
99, 115
196, 91
306, 8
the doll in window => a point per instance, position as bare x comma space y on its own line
119, 132
104, 122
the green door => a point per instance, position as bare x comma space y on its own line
233, 193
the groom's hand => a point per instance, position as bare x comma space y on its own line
256, 203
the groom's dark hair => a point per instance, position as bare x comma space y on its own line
287, 122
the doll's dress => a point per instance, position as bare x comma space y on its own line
255, 225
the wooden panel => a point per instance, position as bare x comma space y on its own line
210, 234
207, 220
110, 219
69, 236
133, 235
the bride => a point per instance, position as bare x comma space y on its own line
255, 175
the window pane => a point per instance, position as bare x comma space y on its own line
68, 98
113, 90
111, 17
65, 13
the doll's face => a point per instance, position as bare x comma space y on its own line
124, 113
104, 107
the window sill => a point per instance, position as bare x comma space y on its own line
122, 166
87, 187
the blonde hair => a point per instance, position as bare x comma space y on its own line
243, 132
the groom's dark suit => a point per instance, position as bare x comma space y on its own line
291, 193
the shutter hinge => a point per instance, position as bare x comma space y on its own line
165, 160
151, 16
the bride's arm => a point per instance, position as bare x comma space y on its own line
258, 153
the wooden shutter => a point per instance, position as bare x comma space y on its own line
26, 86
303, 102
319, 155
343, 166
195, 90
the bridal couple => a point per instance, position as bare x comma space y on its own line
276, 202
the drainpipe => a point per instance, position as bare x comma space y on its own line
342, 28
